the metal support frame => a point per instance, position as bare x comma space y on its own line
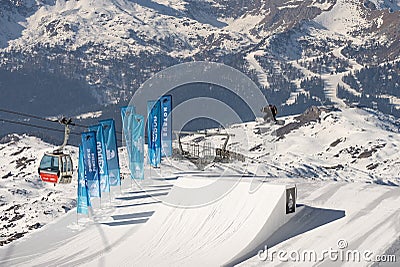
66, 122
179, 133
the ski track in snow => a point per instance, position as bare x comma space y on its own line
262, 76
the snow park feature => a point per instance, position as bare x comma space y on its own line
213, 234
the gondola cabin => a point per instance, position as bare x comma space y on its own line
56, 168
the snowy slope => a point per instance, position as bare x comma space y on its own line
346, 144
344, 163
358, 213
124, 27
206, 235
26, 203
392, 4
184, 27
344, 17
360, 217
114, 46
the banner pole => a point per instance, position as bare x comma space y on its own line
150, 169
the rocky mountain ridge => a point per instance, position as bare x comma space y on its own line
300, 53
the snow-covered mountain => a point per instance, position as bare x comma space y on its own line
301, 53
393, 5
131, 27
85, 58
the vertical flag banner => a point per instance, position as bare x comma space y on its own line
137, 154
89, 147
102, 158
83, 197
110, 139
126, 115
130, 109
166, 128
154, 132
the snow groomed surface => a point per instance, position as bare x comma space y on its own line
213, 234
366, 216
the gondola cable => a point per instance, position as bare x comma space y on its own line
55, 167
35, 126
41, 127
44, 119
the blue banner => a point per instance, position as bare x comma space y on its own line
137, 154
166, 128
128, 115
110, 139
89, 146
102, 158
154, 132
83, 197
130, 109
127, 119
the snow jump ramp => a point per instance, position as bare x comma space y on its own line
184, 232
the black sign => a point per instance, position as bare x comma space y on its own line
290, 200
